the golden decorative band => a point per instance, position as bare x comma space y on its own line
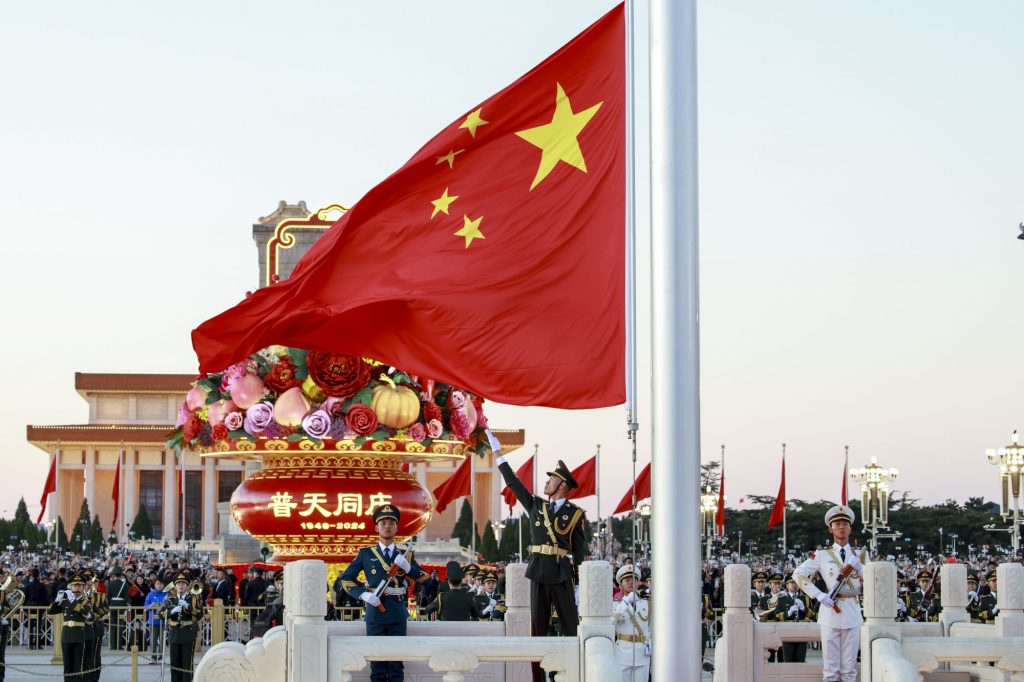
629, 638
550, 550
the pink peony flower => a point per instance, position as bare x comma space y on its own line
231, 375
234, 420
417, 431
460, 424
434, 428
317, 424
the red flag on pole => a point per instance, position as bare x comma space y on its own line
518, 207
779, 510
525, 474
720, 512
49, 487
586, 475
116, 492
643, 491
458, 485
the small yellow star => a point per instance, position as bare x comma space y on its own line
470, 230
449, 157
557, 140
442, 203
473, 121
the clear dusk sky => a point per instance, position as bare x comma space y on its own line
861, 179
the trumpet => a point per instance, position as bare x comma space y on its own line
196, 588
12, 598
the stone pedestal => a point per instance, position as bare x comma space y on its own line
736, 660
1010, 600
880, 594
517, 618
953, 578
305, 603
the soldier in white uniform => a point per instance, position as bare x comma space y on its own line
840, 631
632, 616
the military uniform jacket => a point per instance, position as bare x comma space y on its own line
98, 600
457, 605
117, 592
564, 530
497, 612
923, 610
78, 619
827, 563
986, 603
759, 600
182, 626
371, 563
632, 631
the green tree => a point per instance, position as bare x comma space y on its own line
96, 537
464, 529
80, 533
489, 544
709, 476
509, 539
142, 526
62, 535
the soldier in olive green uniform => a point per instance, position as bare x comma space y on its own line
759, 594
182, 611
100, 609
791, 607
972, 596
456, 604
78, 617
988, 605
924, 609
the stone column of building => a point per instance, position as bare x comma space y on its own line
170, 519
90, 479
209, 500
131, 492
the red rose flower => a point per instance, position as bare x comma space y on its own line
192, 426
361, 419
431, 411
220, 432
341, 376
281, 376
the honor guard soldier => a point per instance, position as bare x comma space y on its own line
183, 611
493, 604
923, 606
77, 611
632, 615
839, 617
792, 608
385, 598
775, 612
558, 547
988, 604
99, 611
117, 599
759, 594
456, 604
972, 596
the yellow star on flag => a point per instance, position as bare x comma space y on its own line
449, 157
442, 203
473, 121
470, 230
557, 140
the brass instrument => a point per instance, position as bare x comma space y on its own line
196, 588
769, 613
13, 598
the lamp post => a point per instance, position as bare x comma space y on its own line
1010, 460
645, 527
708, 509
952, 538
874, 497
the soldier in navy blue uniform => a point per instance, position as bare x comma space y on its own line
374, 563
559, 544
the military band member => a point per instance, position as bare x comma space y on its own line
77, 612
839, 631
632, 616
557, 531
457, 604
99, 610
183, 611
988, 604
775, 611
492, 603
791, 608
373, 562
759, 593
972, 596
923, 606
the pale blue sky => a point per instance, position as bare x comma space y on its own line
861, 180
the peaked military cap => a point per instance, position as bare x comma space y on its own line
924, 575
840, 512
625, 571
790, 578
991, 576
77, 578
182, 578
776, 578
470, 570
490, 577
386, 511
760, 575
454, 571
562, 472
972, 577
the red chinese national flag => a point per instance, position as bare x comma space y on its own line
643, 491
458, 485
779, 510
49, 487
524, 474
720, 512
493, 260
586, 475
115, 494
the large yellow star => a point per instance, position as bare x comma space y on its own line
442, 203
473, 121
470, 230
557, 140
449, 157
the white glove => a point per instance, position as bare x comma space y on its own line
973, 595
493, 602
61, 596
826, 600
995, 611
793, 610
176, 610
4, 621
854, 561
488, 609
182, 603
576, 595
402, 563
901, 606
370, 598
630, 598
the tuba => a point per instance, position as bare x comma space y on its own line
13, 598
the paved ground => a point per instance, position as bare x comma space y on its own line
24, 667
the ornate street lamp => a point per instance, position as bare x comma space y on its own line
874, 497
708, 509
645, 530
1010, 461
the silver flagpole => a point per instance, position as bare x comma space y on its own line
56, 487
472, 508
784, 505
597, 492
675, 468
